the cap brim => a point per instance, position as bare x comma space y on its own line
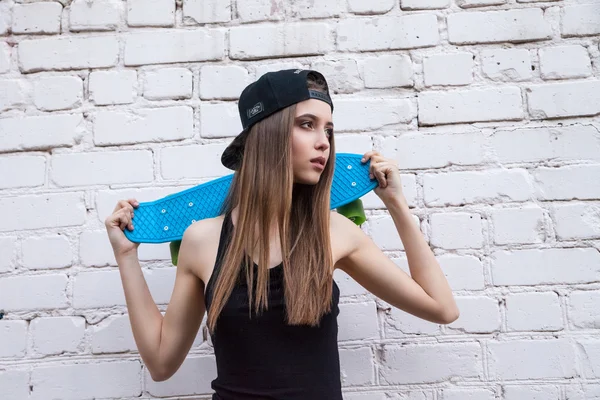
232, 156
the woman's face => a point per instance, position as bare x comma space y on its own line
312, 131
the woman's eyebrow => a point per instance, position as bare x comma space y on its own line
314, 117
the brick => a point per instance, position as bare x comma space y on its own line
5, 55
545, 266
424, 5
388, 71
42, 17
95, 249
14, 94
356, 367
566, 99
498, 26
219, 120
371, 7
456, 230
5, 17
112, 87
347, 285
453, 360
518, 225
41, 211
113, 335
415, 150
56, 335
143, 125
58, 93
468, 394
506, 64
14, 382
342, 75
260, 10
388, 33
104, 288
87, 380
369, 396
475, 105
558, 143
448, 69
276, 66
384, 232
267, 41
151, 13
32, 171
174, 46
531, 359
47, 252
223, 82
462, 272
155, 251
569, 182
533, 312
399, 323
533, 392
575, 221
97, 168
320, 9
580, 392
41, 132
68, 53
564, 62
589, 353
95, 16
358, 321
491, 186
580, 20
350, 113
15, 334
203, 12
193, 377
8, 246
33, 293
583, 309
478, 314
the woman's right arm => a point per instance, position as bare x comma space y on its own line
163, 342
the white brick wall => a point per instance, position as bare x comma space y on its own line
490, 107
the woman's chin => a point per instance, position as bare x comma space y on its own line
308, 179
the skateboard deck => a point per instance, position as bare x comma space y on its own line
166, 219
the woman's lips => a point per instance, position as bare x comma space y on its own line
318, 165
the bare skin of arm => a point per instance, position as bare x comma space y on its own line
163, 342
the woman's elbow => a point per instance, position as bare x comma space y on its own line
449, 316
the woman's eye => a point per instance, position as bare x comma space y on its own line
306, 124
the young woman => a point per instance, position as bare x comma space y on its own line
263, 269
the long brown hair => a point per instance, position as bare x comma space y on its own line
264, 190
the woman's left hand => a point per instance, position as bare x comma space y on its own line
387, 173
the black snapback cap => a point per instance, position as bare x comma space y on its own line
270, 93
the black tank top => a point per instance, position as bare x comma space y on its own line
264, 358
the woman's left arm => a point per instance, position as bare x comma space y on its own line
426, 292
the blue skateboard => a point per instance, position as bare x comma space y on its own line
165, 219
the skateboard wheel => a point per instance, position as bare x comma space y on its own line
174, 247
354, 211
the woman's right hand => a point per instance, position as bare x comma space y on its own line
120, 219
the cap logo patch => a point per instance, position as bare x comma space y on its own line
258, 108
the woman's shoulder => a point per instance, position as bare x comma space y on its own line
201, 240
203, 228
